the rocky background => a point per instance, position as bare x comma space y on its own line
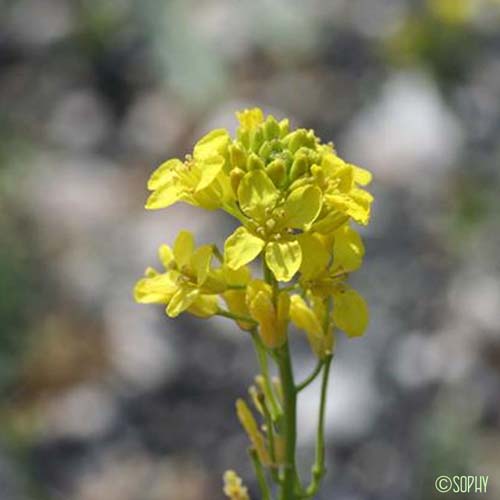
102, 399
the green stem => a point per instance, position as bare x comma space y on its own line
236, 317
218, 253
289, 421
312, 377
319, 469
290, 288
259, 472
270, 435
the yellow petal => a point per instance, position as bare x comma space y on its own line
164, 197
350, 311
166, 255
156, 289
256, 286
283, 258
356, 204
210, 168
317, 256
183, 248
204, 306
181, 300
256, 193
200, 263
330, 222
364, 200
348, 249
164, 174
151, 272
303, 317
241, 248
262, 310
250, 118
212, 144
236, 303
236, 277
302, 206
362, 176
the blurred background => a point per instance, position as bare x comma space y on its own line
103, 399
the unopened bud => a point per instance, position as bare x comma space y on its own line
233, 487
276, 170
256, 139
265, 150
284, 127
296, 140
256, 397
254, 162
318, 174
299, 167
235, 177
250, 425
271, 128
237, 156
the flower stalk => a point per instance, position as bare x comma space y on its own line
289, 423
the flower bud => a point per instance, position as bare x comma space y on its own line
237, 156
205, 306
295, 140
256, 139
248, 422
254, 162
318, 174
235, 178
265, 150
284, 127
306, 319
300, 138
236, 303
276, 170
256, 395
262, 310
233, 487
271, 128
299, 167
278, 388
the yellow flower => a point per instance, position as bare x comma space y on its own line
272, 320
343, 197
310, 320
188, 283
324, 275
199, 180
278, 183
236, 296
233, 487
350, 311
271, 225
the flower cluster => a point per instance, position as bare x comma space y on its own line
293, 196
295, 200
